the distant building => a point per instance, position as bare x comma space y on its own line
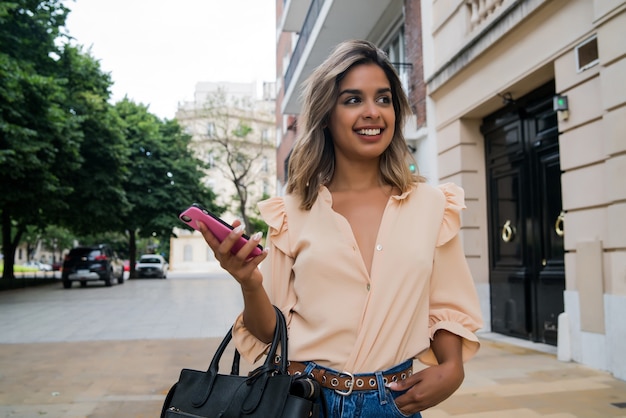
225, 112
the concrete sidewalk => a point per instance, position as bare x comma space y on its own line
129, 379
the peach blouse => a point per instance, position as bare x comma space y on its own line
344, 318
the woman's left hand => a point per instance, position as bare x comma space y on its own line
434, 384
428, 387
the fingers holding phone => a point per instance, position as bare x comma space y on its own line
239, 245
237, 253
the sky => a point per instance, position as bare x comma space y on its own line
157, 50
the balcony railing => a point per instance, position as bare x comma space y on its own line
303, 39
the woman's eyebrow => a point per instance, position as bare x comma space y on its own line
355, 91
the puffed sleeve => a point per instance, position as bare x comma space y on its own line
454, 304
277, 277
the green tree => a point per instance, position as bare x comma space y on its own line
56, 239
164, 179
62, 150
98, 199
39, 138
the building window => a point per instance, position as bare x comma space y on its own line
587, 54
187, 253
210, 130
265, 165
396, 52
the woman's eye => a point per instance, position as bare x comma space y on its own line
352, 100
384, 99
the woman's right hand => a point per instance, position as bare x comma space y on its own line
241, 266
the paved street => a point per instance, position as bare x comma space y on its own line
101, 352
186, 305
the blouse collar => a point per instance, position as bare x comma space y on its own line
327, 197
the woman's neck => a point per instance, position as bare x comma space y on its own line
354, 180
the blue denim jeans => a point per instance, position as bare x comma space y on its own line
377, 403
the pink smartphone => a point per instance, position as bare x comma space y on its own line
217, 226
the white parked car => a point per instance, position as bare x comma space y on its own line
152, 265
39, 266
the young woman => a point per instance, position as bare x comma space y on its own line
364, 257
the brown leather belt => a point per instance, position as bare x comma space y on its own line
344, 383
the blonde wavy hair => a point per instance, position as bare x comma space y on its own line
312, 160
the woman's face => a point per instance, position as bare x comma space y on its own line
362, 120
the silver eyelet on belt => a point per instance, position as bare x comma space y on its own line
360, 383
403, 376
334, 382
373, 383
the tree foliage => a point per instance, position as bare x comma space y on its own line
39, 139
165, 177
98, 183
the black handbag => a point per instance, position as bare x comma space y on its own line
267, 392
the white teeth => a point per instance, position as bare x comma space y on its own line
369, 131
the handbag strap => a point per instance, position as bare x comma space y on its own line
205, 385
280, 338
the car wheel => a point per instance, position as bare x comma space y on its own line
67, 284
83, 283
108, 279
120, 278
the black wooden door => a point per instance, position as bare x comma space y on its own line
527, 277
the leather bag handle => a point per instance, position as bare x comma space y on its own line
280, 338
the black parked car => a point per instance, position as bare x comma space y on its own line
92, 263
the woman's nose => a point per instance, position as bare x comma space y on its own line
371, 110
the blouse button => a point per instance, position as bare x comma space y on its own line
379, 247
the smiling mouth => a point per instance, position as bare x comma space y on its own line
369, 132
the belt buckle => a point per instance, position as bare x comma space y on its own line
349, 384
